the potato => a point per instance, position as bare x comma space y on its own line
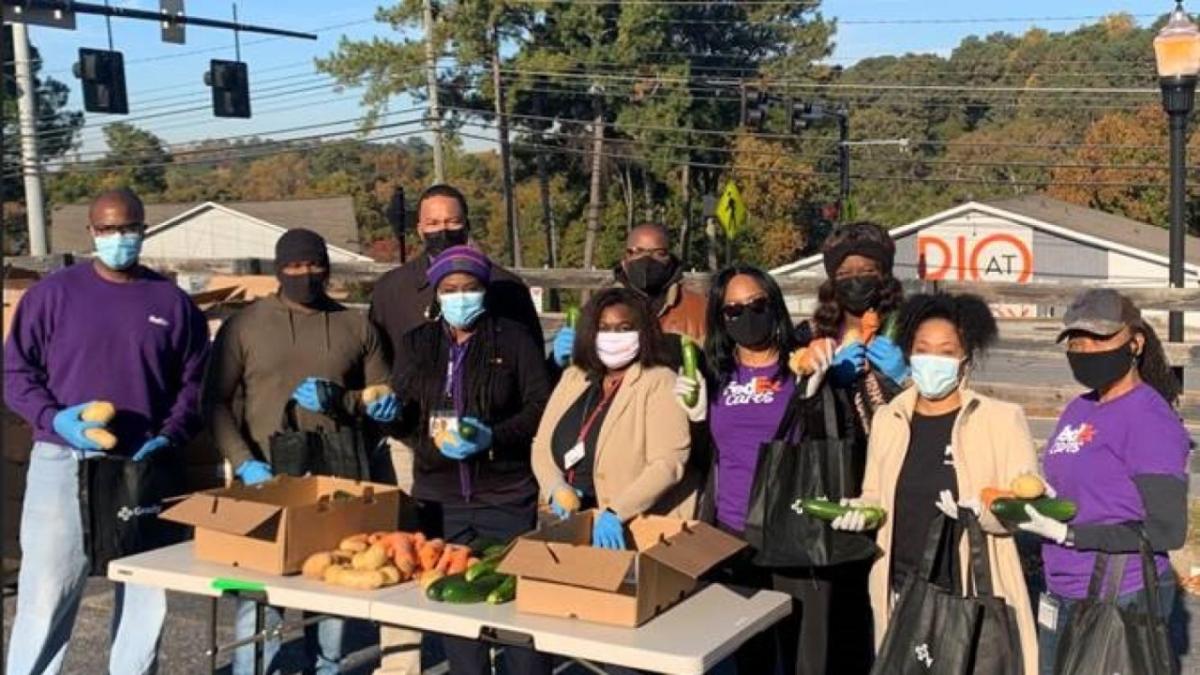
375, 392
371, 559
98, 411
317, 563
363, 580
333, 574
356, 543
1028, 486
567, 498
391, 575
102, 437
343, 558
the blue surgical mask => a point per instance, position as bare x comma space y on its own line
935, 376
461, 309
118, 251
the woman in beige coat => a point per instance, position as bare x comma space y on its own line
934, 448
612, 431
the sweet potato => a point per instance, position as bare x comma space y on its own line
371, 559
403, 555
430, 553
356, 543
316, 564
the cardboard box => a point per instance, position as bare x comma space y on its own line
274, 526
561, 574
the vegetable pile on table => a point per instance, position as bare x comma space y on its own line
447, 572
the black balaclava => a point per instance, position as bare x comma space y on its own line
300, 245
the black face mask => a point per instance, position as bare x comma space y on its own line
857, 294
436, 242
650, 275
1099, 370
751, 329
303, 289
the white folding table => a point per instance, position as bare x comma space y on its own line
687, 639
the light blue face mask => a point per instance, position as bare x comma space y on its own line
935, 376
461, 309
119, 251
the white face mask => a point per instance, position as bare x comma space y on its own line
617, 350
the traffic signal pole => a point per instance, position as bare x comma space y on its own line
31, 169
843, 119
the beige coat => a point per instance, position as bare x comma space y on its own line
641, 450
991, 445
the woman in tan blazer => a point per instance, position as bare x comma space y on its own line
935, 447
612, 431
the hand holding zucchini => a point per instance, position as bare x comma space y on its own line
1026, 489
829, 511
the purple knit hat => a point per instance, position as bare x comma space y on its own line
460, 259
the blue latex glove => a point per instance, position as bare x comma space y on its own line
887, 358
460, 448
559, 511
383, 409
847, 363
156, 444
70, 428
607, 531
564, 342
313, 394
253, 472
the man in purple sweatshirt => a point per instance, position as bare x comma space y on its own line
110, 330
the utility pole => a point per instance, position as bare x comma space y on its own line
435, 111
544, 184
31, 166
843, 120
595, 194
506, 174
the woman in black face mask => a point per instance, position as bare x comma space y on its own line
1119, 452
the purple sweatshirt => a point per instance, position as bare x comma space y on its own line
142, 345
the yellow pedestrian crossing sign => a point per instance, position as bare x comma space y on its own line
731, 210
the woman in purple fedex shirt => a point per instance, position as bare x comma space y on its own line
1120, 453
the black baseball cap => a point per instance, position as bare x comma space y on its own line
1099, 311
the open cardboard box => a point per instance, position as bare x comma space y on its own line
561, 574
274, 526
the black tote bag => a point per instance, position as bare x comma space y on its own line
119, 503
938, 630
341, 452
800, 463
1102, 637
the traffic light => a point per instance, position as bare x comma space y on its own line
230, 84
756, 111
103, 76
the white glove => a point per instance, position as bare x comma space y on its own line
851, 521
1044, 526
684, 387
822, 353
946, 505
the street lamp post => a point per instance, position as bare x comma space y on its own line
1177, 54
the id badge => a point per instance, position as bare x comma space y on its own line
1047, 612
574, 456
441, 422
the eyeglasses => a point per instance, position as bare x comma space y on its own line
447, 224
128, 228
734, 311
656, 253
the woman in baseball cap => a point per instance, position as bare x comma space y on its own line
1120, 453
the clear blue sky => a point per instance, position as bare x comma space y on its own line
162, 77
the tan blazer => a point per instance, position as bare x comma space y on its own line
641, 450
991, 445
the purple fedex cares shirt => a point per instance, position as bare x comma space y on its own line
1096, 452
745, 414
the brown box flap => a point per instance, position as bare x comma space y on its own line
695, 549
568, 564
210, 511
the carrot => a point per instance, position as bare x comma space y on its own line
803, 361
991, 494
430, 553
459, 559
403, 553
376, 536
870, 325
419, 541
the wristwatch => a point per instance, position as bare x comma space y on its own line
1069, 540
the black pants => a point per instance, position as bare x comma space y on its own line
461, 524
826, 602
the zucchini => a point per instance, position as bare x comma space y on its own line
824, 509
466, 593
691, 366
1012, 509
891, 326
482, 568
571, 316
437, 588
503, 593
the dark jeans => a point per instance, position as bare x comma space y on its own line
1168, 590
826, 602
461, 524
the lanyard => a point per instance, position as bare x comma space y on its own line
591, 419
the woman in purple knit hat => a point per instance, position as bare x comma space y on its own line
473, 387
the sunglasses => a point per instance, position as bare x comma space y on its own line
734, 311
